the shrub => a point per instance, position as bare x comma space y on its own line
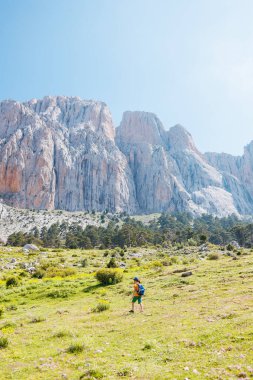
174, 260
8, 327
156, 264
37, 319
61, 334
112, 263
12, 281
39, 273
102, 306
213, 256
230, 247
75, 348
125, 372
11, 307
60, 272
3, 342
84, 263
61, 293
148, 346
1, 311
91, 374
192, 242
109, 276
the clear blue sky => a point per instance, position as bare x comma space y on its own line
189, 61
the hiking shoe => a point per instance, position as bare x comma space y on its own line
131, 311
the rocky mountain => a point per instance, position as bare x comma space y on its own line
60, 153
64, 153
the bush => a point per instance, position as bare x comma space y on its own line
109, 276
213, 256
156, 264
174, 260
91, 374
1, 311
60, 272
61, 293
75, 348
112, 263
230, 247
192, 242
148, 346
102, 306
125, 372
61, 334
39, 273
12, 281
37, 319
3, 342
84, 263
11, 307
122, 253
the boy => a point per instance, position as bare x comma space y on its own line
136, 296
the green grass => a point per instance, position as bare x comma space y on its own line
198, 327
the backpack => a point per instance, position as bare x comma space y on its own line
141, 290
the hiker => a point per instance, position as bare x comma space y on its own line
137, 294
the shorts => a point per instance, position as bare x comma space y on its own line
137, 298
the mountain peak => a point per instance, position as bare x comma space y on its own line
180, 139
141, 127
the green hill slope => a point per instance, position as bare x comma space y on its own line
197, 327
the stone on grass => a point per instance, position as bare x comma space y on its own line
31, 247
179, 270
235, 244
186, 274
203, 248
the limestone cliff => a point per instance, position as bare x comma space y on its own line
64, 153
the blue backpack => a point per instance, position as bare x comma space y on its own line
141, 290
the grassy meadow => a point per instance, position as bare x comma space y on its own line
66, 325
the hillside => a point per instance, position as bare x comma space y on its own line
196, 327
14, 219
64, 153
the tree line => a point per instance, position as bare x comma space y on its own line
178, 228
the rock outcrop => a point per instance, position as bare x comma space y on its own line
237, 176
64, 153
169, 172
60, 153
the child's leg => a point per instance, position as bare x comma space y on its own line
140, 303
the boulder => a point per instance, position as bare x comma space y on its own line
235, 244
30, 247
31, 269
204, 248
186, 274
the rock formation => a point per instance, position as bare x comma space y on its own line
60, 153
64, 153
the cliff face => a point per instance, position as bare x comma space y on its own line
169, 172
237, 176
64, 153
60, 153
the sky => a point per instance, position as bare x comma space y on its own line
188, 61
